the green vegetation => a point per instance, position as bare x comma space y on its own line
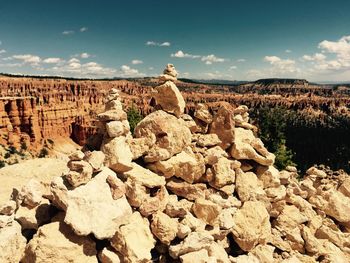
134, 117
272, 123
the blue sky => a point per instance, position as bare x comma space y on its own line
223, 39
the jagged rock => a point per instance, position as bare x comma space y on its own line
223, 125
92, 209
164, 227
144, 177
134, 240
76, 156
213, 155
193, 223
245, 259
251, 225
108, 256
6, 220
117, 128
218, 253
170, 70
224, 172
208, 140
95, 159
195, 241
170, 133
187, 166
184, 189
202, 113
268, 175
183, 231
246, 146
12, 243
118, 154
175, 208
206, 210
140, 146
117, 186
248, 186
200, 256
189, 123
8, 208
112, 115
263, 252
344, 188
31, 193
33, 217
80, 173
169, 98
56, 242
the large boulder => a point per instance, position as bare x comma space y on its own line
57, 243
92, 209
12, 243
172, 136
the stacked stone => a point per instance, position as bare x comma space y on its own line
183, 189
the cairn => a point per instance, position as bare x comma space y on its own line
182, 188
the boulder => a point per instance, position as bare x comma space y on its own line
208, 140
134, 240
92, 209
184, 189
200, 256
164, 227
57, 243
248, 186
80, 173
107, 255
172, 136
31, 193
206, 210
202, 113
95, 159
112, 115
12, 243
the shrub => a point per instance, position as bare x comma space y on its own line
134, 117
7, 155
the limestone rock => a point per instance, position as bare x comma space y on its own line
134, 240
268, 175
144, 176
140, 146
170, 133
116, 129
213, 155
251, 225
202, 113
12, 243
184, 189
169, 98
206, 210
117, 186
246, 146
224, 172
200, 256
164, 227
80, 173
118, 154
208, 140
76, 156
31, 193
95, 159
223, 125
57, 243
108, 256
248, 186
175, 208
8, 208
112, 115
92, 209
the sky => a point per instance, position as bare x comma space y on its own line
221, 39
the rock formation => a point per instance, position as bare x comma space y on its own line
183, 188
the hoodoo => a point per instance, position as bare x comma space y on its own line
182, 188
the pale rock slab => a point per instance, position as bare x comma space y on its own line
112, 115
164, 227
108, 256
31, 193
184, 189
8, 208
251, 225
33, 217
117, 186
118, 154
92, 209
224, 172
202, 113
134, 240
206, 210
12, 243
269, 176
80, 173
57, 243
172, 136
95, 159
248, 186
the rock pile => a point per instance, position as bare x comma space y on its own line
182, 189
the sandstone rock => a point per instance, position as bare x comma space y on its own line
187, 166
108, 256
245, 259
200, 256
144, 176
116, 129
175, 208
213, 155
248, 186
183, 231
223, 172
33, 217
218, 253
92, 209
316, 172
184, 189
223, 125
189, 123
76, 156
170, 70
169, 98
117, 186
263, 252
202, 113
31, 193
251, 225
56, 242
195, 241
140, 146
344, 188
118, 154
12, 243
6, 220
170, 133
81, 173
95, 159
246, 146
194, 223
8, 208
208, 140
268, 175
112, 115
164, 227
134, 240
206, 210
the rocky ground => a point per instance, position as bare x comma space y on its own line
182, 188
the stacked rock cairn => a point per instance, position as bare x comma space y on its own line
182, 188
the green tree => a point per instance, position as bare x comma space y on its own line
134, 117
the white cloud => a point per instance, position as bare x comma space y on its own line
233, 67
2, 51
85, 55
288, 51
181, 54
28, 58
126, 71
151, 68
241, 60
68, 32
52, 60
136, 62
72, 60
315, 57
210, 59
83, 29
153, 43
